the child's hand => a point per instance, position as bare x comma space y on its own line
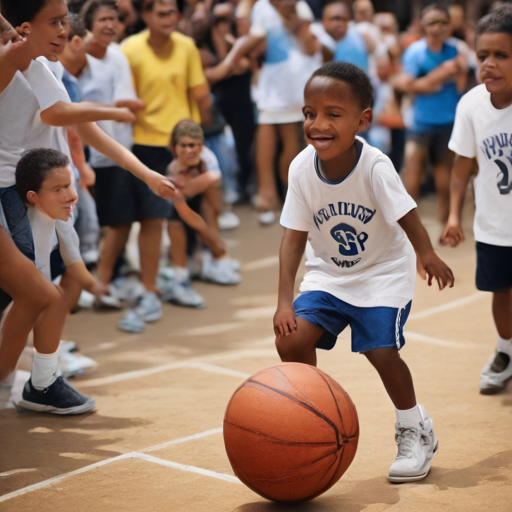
436, 268
125, 115
452, 234
160, 185
99, 289
284, 321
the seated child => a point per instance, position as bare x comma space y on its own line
347, 203
45, 184
195, 173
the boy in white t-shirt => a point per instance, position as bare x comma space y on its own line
346, 199
482, 130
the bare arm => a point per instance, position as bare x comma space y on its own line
93, 136
69, 114
76, 149
290, 256
434, 266
196, 185
78, 271
461, 173
429, 83
201, 93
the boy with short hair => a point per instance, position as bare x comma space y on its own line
347, 200
44, 184
482, 130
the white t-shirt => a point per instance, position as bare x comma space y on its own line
43, 231
21, 128
485, 132
357, 251
106, 81
286, 68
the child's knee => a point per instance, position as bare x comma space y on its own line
381, 357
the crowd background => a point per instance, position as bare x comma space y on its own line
238, 68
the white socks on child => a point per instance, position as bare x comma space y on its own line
44, 369
504, 346
410, 417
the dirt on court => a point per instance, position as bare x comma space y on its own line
155, 441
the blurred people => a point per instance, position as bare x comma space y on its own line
435, 73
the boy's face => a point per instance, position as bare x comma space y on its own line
332, 116
436, 25
335, 20
48, 32
494, 52
57, 196
105, 26
74, 49
163, 18
188, 151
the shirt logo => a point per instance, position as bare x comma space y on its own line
505, 183
350, 242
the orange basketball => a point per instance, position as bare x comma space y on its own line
290, 432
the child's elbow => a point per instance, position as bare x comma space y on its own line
55, 115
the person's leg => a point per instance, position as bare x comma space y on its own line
395, 376
211, 208
299, 347
502, 313
114, 244
33, 297
266, 143
178, 249
150, 240
289, 135
415, 155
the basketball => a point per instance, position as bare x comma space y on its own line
290, 432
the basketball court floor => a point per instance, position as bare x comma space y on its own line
155, 440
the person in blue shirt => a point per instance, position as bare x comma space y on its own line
435, 73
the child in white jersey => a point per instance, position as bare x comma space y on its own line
44, 184
482, 130
346, 199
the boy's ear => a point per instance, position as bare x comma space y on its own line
31, 197
365, 119
24, 28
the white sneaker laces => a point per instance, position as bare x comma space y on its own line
405, 438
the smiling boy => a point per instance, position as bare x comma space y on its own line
482, 130
346, 199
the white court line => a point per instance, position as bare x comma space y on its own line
445, 307
131, 455
213, 329
218, 369
441, 343
182, 440
271, 261
137, 374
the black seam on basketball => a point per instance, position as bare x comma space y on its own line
296, 388
344, 430
306, 406
283, 441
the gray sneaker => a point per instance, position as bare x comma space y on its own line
495, 374
148, 310
220, 272
182, 294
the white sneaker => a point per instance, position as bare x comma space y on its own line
72, 364
182, 294
148, 310
417, 446
495, 374
126, 288
220, 272
228, 220
267, 218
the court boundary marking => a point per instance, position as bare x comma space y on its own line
139, 455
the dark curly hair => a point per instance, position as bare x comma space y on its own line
355, 77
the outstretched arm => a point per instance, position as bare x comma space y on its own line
434, 266
290, 256
461, 173
68, 114
93, 136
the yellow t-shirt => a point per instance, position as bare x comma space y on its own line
164, 85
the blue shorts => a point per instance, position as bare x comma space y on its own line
19, 228
378, 327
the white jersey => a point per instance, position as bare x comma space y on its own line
485, 132
43, 230
106, 81
357, 251
21, 128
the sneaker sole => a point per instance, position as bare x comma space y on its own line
79, 409
493, 390
152, 317
414, 478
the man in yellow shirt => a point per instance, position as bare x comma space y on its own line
168, 77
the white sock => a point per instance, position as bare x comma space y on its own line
45, 369
504, 345
410, 417
182, 274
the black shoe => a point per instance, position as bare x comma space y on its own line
59, 398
